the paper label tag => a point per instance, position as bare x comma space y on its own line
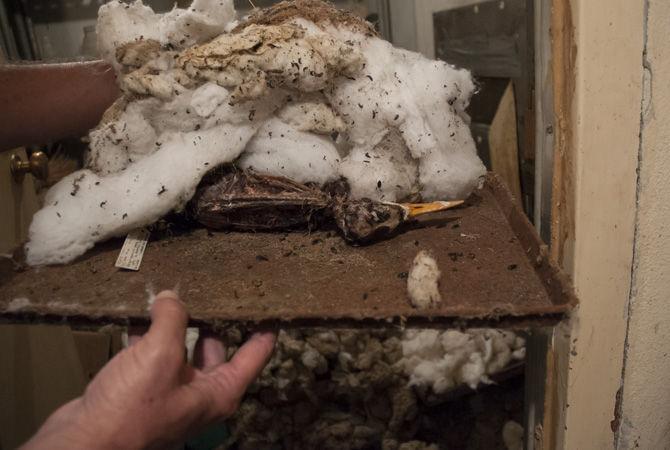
133, 250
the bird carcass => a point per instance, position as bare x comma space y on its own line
244, 200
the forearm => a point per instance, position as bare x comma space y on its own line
72, 426
41, 103
148, 397
62, 430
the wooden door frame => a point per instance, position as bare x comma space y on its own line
596, 64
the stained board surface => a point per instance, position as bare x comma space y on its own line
494, 272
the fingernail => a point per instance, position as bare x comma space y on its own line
168, 294
268, 327
269, 336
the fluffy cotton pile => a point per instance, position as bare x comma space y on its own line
180, 28
313, 95
359, 388
442, 360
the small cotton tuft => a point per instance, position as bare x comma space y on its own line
18, 304
512, 435
423, 282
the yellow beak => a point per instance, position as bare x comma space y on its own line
418, 209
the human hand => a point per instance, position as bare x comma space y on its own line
148, 397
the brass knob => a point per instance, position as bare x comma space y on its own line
38, 165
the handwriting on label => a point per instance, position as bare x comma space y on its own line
133, 250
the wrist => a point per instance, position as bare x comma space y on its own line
64, 428
72, 427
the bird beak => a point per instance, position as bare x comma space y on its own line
418, 209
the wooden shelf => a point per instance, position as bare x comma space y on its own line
494, 273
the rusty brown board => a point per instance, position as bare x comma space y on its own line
495, 272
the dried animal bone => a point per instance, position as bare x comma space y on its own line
237, 199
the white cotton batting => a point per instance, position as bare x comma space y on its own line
207, 98
440, 360
311, 113
84, 207
279, 149
306, 101
384, 172
423, 281
120, 23
18, 304
512, 435
426, 101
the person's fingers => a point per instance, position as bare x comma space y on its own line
248, 362
168, 321
215, 394
135, 333
209, 353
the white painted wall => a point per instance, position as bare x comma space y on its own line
605, 126
645, 411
